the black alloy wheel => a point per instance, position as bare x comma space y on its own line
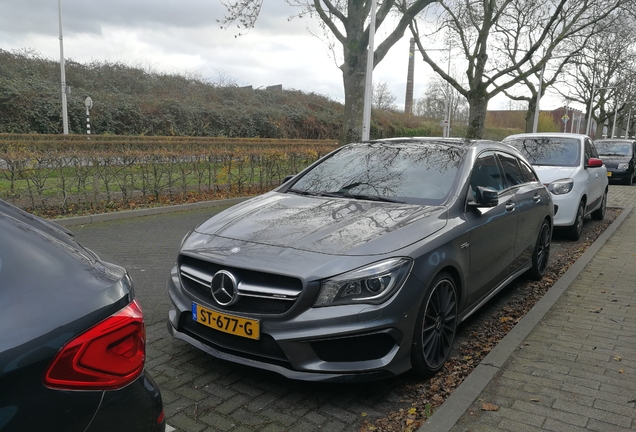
574, 231
541, 254
436, 326
599, 213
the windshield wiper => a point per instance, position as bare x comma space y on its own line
346, 195
361, 196
302, 192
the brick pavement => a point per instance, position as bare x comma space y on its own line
575, 368
566, 375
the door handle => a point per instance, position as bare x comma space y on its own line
537, 198
510, 206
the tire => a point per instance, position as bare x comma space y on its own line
435, 327
630, 180
573, 232
599, 213
541, 254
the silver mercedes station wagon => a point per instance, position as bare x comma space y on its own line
363, 265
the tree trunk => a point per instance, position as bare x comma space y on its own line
532, 105
353, 76
477, 106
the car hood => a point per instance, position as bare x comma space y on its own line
326, 225
615, 160
548, 174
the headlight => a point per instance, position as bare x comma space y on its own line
560, 187
370, 284
623, 166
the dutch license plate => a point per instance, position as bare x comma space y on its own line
609, 173
244, 327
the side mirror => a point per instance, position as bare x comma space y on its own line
485, 196
288, 178
594, 163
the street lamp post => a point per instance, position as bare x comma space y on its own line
368, 87
615, 115
62, 73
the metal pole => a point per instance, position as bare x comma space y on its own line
627, 127
63, 74
535, 123
447, 109
589, 112
368, 87
615, 114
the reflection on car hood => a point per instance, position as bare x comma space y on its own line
326, 225
615, 159
548, 174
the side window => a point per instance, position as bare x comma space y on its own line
528, 174
486, 172
593, 151
512, 172
588, 150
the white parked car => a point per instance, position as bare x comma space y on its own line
569, 165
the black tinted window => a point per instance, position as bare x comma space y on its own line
486, 172
512, 172
528, 174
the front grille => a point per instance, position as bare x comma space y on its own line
246, 304
265, 347
355, 348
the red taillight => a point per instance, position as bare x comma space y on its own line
107, 356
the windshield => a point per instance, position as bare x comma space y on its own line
613, 148
550, 151
413, 173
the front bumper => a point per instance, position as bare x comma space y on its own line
335, 343
566, 206
616, 175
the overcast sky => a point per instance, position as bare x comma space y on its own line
184, 37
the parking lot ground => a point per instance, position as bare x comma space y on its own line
202, 393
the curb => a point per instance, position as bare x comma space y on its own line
447, 415
104, 217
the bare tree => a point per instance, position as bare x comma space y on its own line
435, 101
383, 99
606, 66
347, 22
506, 41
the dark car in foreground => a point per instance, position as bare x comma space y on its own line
363, 265
619, 157
72, 347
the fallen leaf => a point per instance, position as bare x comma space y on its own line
413, 410
534, 400
505, 319
596, 310
409, 422
364, 414
618, 358
489, 407
621, 371
603, 291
